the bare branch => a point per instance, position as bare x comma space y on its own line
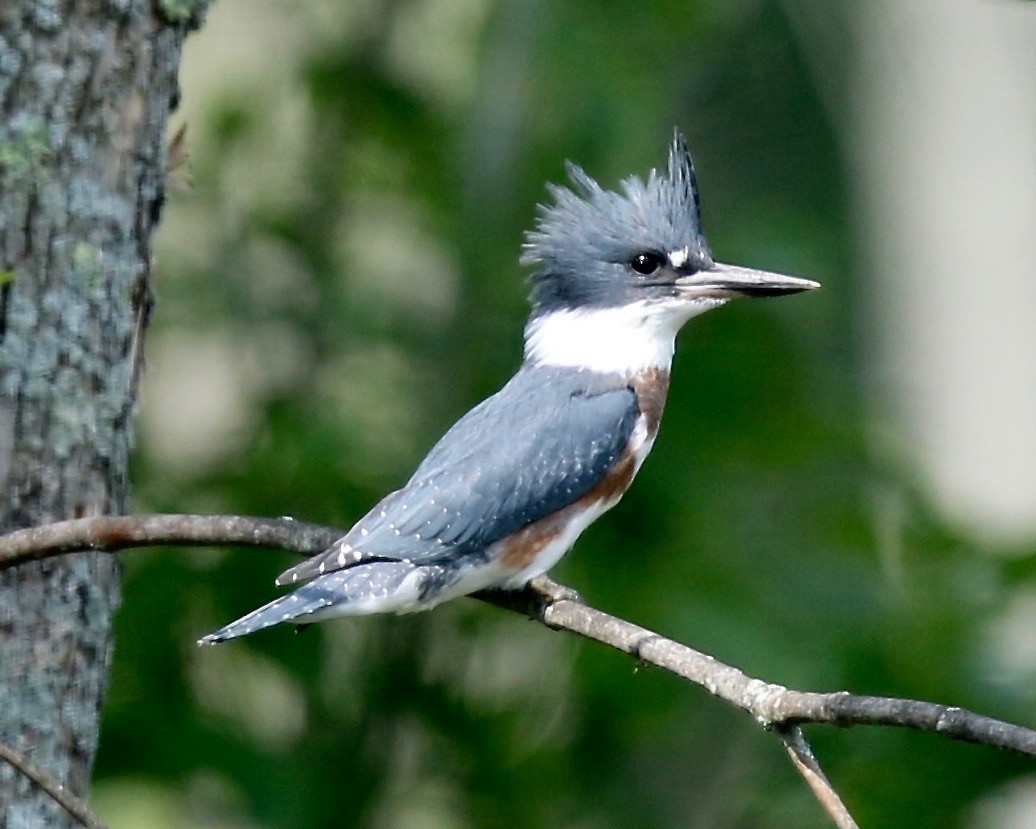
775, 707
844, 709
61, 795
108, 533
802, 756
772, 705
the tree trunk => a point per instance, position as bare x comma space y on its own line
86, 88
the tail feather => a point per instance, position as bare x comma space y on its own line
365, 588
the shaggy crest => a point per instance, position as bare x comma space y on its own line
589, 228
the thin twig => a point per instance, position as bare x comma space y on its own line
806, 762
57, 791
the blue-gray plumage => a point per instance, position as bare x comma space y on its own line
508, 489
535, 446
580, 240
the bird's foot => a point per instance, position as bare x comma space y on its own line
550, 591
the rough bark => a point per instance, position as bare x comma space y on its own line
86, 88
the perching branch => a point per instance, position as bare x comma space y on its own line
779, 709
773, 706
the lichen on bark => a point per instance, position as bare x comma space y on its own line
86, 89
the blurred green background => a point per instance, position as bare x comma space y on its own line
341, 283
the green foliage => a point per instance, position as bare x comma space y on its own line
342, 283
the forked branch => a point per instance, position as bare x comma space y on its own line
779, 709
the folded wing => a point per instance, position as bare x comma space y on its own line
536, 446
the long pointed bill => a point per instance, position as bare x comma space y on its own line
727, 281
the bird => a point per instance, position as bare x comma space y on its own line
506, 492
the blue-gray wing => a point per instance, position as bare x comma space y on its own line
536, 446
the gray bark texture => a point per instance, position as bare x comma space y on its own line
86, 89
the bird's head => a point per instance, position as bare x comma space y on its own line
628, 266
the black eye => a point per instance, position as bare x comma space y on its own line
646, 263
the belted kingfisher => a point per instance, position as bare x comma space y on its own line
509, 488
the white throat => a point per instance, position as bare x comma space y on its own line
624, 340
